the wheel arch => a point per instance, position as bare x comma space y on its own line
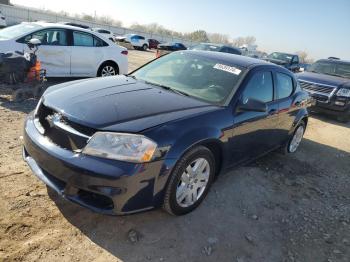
301, 116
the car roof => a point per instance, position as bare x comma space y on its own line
239, 60
75, 28
336, 61
58, 25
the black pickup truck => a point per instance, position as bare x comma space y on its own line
328, 82
289, 61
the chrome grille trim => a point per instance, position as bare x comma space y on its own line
320, 89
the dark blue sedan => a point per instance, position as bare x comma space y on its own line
159, 136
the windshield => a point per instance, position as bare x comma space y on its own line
206, 47
204, 78
331, 68
280, 56
17, 30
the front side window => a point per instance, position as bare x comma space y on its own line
284, 85
50, 37
204, 78
259, 87
83, 39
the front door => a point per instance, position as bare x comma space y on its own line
54, 52
253, 132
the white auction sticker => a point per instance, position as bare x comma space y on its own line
230, 69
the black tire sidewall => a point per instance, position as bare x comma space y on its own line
187, 159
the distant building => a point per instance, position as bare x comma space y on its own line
5, 2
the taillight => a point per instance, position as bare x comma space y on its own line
125, 52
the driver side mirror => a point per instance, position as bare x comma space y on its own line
251, 105
34, 42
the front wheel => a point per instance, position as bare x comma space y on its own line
144, 47
190, 181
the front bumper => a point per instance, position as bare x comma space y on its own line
332, 107
102, 185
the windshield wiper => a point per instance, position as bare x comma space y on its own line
132, 76
168, 88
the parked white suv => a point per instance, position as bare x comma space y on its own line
67, 51
137, 41
2, 20
106, 33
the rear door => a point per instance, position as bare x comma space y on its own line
87, 54
254, 132
54, 52
288, 107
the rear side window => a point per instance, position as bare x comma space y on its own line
284, 85
82, 39
99, 42
259, 87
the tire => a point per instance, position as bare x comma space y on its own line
198, 157
144, 47
107, 69
289, 147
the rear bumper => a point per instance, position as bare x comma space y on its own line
102, 185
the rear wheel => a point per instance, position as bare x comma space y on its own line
295, 140
108, 69
144, 47
190, 181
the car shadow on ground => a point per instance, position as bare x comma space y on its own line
243, 217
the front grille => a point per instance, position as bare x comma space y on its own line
327, 90
62, 137
320, 92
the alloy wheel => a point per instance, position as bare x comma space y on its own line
297, 137
108, 71
193, 182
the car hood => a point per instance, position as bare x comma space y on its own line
120, 104
322, 78
276, 61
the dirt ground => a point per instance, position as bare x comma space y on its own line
279, 208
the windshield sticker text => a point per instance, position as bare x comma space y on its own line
226, 68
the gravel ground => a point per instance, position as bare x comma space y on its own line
279, 208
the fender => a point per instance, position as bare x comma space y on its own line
302, 114
188, 140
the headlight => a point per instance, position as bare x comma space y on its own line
119, 146
343, 92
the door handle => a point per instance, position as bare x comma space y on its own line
273, 111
